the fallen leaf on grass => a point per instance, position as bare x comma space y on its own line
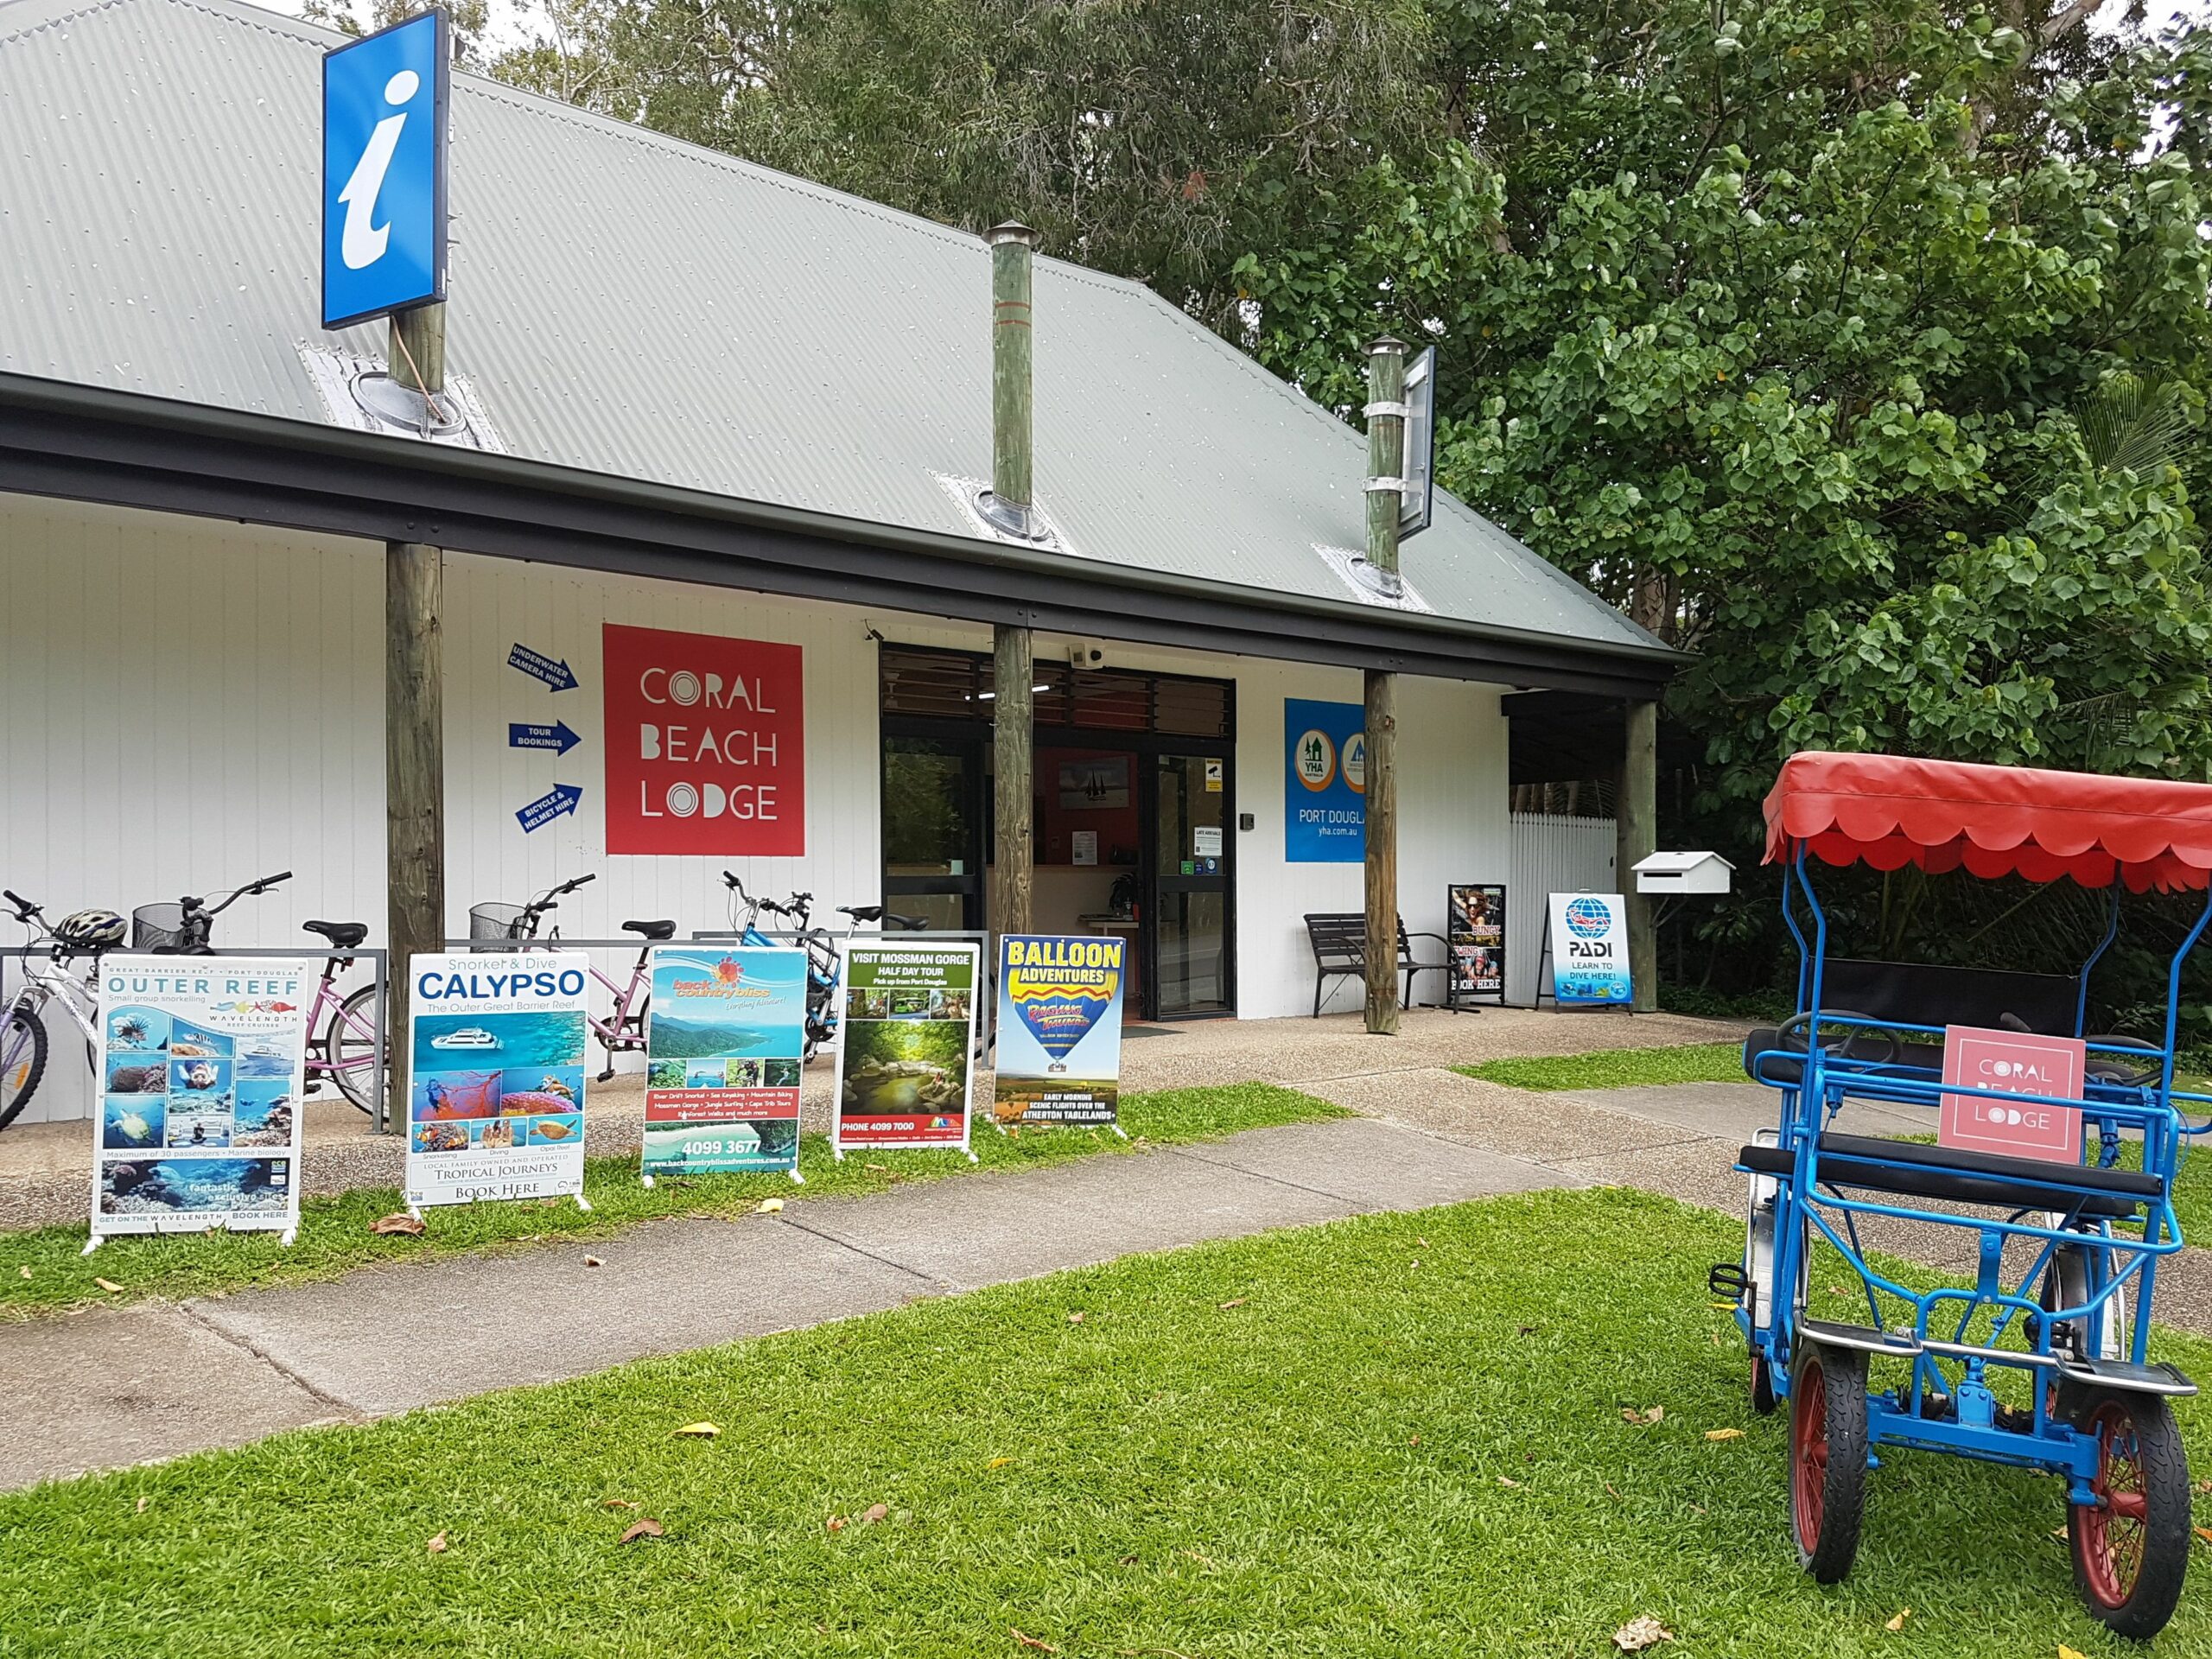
1530, 1330
645, 1527
109, 1286
2065, 1652
1898, 1623
1614, 1490
1234, 1301
1641, 1632
1507, 1480
1731, 1307
26, 1272
1032, 1642
2205, 1533
2059, 1533
699, 1431
1629, 1413
143, 1502
835, 1524
875, 1513
398, 1221
618, 1503
1724, 1434
1075, 1318
1414, 1441
436, 1546
998, 1463
2202, 1486
769, 1207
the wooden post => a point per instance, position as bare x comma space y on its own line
1011, 440
1386, 465
414, 719
1013, 723
1637, 821
415, 801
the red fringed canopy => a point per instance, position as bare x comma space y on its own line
1992, 821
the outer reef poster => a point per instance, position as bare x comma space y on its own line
201, 1080
909, 1031
1059, 1033
495, 1093
723, 1047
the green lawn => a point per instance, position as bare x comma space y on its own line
1396, 1435
334, 1235
1618, 1068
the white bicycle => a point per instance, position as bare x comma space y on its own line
49, 982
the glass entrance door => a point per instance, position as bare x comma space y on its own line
933, 830
1192, 966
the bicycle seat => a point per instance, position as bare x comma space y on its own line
861, 913
652, 930
343, 936
1915, 1169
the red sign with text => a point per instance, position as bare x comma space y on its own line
2018, 1064
706, 747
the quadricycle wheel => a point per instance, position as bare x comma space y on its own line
1828, 1457
2131, 1547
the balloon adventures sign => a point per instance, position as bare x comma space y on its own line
1059, 1030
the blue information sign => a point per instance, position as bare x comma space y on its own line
384, 171
1325, 782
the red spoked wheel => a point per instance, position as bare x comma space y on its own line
1827, 1458
2131, 1547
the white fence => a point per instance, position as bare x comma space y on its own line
1549, 854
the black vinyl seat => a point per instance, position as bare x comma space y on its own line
343, 936
1915, 1169
1768, 1060
652, 930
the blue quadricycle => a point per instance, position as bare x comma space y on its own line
2043, 1361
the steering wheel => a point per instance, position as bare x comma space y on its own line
2107, 1068
1799, 1024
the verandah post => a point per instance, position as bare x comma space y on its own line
1386, 466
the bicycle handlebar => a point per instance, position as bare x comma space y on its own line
24, 909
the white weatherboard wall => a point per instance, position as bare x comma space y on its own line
1551, 854
191, 703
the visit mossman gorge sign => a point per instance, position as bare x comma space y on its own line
706, 745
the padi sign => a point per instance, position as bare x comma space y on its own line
1589, 949
384, 171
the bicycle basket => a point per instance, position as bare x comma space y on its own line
156, 927
497, 922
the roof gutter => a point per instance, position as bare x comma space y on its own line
60, 438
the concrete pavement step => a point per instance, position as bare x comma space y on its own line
108, 1388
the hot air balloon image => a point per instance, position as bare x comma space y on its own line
1059, 988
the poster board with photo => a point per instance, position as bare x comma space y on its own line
496, 1076
725, 1041
1474, 933
907, 1044
1060, 1028
202, 1063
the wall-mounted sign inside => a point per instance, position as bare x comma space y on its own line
706, 747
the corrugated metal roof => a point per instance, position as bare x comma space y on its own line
627, 304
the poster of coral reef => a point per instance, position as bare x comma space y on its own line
495, 1086
909, 1036
202, 1069
724, 1041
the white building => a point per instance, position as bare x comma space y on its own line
740, 411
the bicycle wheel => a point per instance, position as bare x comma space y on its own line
2131, 1547
350, 1043
1827, 1463
22, 1061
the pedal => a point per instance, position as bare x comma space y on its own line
1728, 1279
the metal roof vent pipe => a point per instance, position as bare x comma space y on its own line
1009, 504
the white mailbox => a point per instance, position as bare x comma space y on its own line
1683, 873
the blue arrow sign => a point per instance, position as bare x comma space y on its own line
563, 799
539, 666
556, 737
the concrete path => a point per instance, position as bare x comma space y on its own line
105, 1388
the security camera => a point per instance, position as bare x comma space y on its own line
1087, 655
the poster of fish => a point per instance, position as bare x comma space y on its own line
725, 1036
495, 1082
202, 1067
908, 1038
1060, 1030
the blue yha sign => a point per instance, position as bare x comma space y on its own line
384, 171
1325, 782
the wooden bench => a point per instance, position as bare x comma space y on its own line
1339, 942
